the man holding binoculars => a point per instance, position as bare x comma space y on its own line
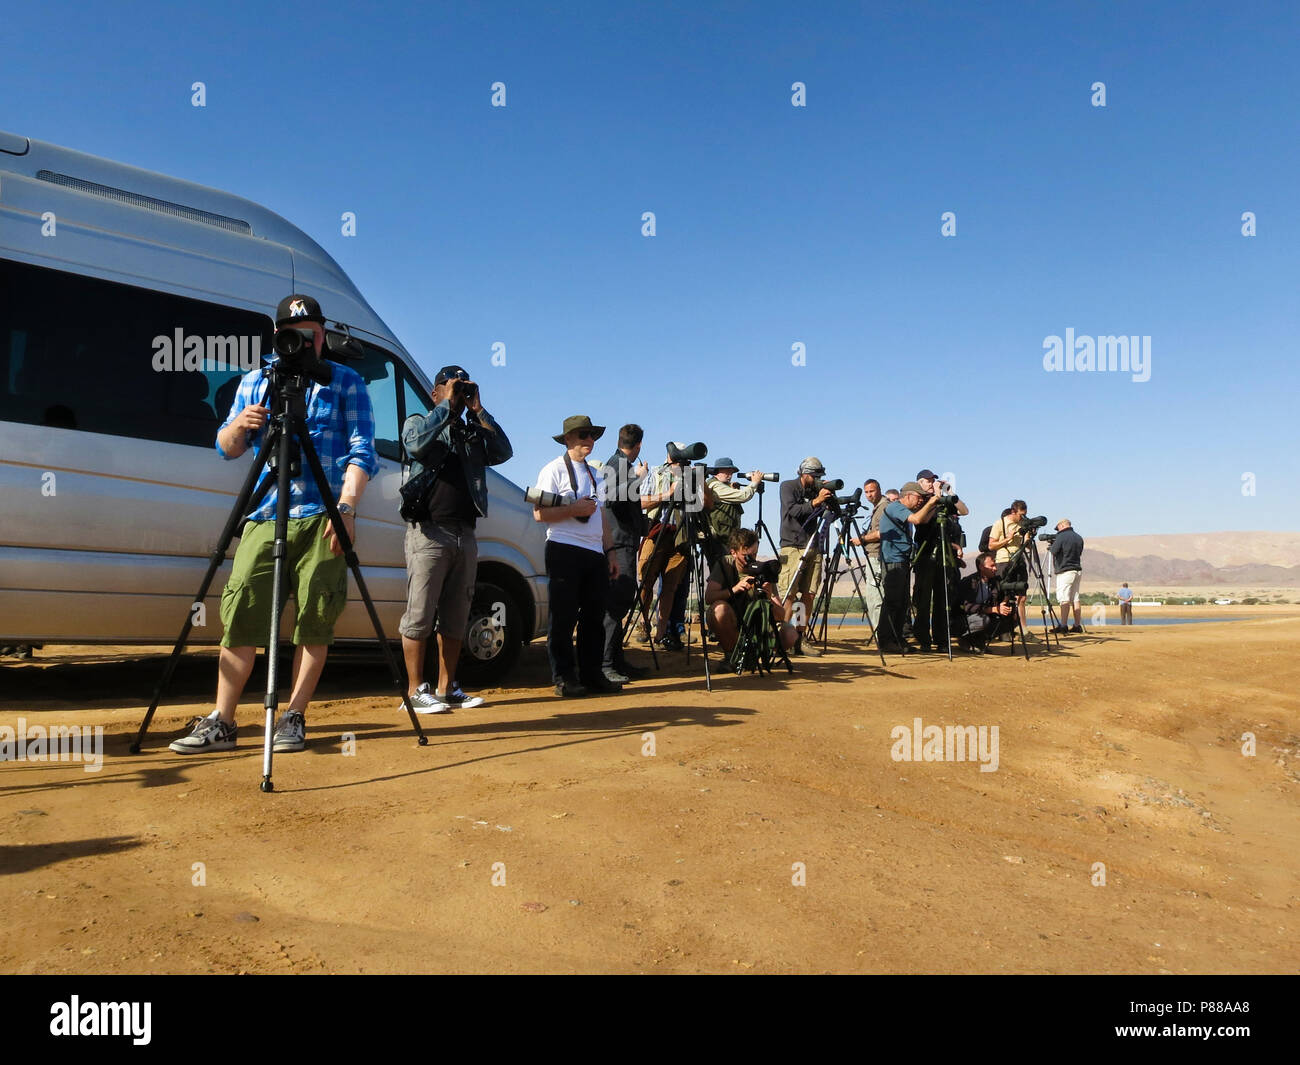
441, 550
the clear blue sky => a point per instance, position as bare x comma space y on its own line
775, 224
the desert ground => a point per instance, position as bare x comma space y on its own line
764, 827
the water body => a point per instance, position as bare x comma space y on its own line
1138, 622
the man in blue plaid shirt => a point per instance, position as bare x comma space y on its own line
341, 425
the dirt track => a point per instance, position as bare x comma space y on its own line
1124, 749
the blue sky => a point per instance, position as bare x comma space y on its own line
775, 224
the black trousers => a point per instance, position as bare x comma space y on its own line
622, 597
930, 617
893, 612
579, 586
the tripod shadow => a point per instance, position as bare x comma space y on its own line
568, 729
24, 857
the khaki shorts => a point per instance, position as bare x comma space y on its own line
809, 579
317, 577
1067, 586
441, 567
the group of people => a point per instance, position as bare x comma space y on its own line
618, 542
915, 543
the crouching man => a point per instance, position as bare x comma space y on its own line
730, 591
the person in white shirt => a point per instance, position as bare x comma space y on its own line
579, 562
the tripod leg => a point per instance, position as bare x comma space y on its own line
354, 564
279, 553
217, 557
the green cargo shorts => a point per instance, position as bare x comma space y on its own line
317, 578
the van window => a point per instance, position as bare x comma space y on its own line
80, 353
378, 369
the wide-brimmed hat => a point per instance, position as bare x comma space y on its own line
725, 463
579, 421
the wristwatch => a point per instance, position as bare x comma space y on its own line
348, 510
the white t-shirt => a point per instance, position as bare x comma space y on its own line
590, 533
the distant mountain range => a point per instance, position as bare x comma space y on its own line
1200, 560
1237, 558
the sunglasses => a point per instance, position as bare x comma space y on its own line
584, 434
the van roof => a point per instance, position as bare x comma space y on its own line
201, 210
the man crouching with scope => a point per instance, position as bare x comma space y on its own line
737, 580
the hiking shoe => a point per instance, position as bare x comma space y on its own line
207, 734
290, 732
602, 683
569, 688
632, 672
614, 676
810, 650
670, 641
423, 701
1077, 629
457, 699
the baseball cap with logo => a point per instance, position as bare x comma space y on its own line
298, 308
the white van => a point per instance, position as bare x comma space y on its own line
112, 495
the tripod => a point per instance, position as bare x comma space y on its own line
760, 526
287, 442
1019, 564
848, 527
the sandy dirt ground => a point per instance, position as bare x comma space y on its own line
771, 829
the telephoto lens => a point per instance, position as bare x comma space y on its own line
539, 497
773, 477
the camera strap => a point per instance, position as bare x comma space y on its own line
573, 478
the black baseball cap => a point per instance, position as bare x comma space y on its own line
927, 474
298, 308
448, 372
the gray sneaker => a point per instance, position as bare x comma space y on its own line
290, 732
423, 701
207, 734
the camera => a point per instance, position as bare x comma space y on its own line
1046, 538
1029, 525
690, 453
765, 572
819, 483
1011, 589
540, 497
297, 350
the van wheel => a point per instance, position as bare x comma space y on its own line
493, 639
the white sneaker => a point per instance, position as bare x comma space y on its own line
290, 733
423, 701
456, 699
208, 734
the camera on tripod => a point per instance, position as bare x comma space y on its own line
1047, 538
819, 483
297, 351
1029, 526
765, 572
686, 453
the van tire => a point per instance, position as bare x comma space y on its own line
490, 650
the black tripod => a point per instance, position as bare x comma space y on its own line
287, 442
844, 511
760, 526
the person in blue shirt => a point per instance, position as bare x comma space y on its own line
913, 508
1125, 604
341, 425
